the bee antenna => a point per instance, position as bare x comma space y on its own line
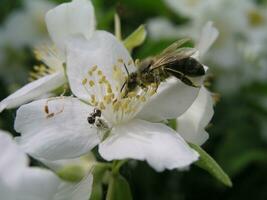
123, 85
126, 69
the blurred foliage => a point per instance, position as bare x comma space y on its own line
237, 140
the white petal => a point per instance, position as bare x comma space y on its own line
36, 184
65, 135
172, 99
79, 191
102, 50
20, 182
156, 143
17, 180
208, 36
33, 90
86, 162
191, 125
10, 153
70, 19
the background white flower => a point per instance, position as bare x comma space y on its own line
26, 26
21, 182
63, 22
239, 53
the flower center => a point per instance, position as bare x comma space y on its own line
192, 3
255, 18
116, 106
51, 60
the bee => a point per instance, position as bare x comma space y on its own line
173, 61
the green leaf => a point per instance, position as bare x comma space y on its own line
136, 38
118, 189
71, 173
207, 163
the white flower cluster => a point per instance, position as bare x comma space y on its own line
26, 26
240, 50
93, 63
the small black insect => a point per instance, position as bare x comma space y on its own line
92, 116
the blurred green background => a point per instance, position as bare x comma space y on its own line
238, 130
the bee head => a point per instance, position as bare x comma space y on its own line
132, 81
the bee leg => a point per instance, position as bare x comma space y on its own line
183, 78
123, 85
187, 81
126, 69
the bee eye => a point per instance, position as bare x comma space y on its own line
91, 120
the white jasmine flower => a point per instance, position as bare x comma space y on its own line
191, 8
243, 37
58, 128
21, 182
26, 26
156, 25
63, 22
191, 124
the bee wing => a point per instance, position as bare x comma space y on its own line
173, 56
173, 47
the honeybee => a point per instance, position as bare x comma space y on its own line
173, 61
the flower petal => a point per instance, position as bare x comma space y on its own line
90, 61
69, 19
156, 143
17, 180
10, 152
55, 128
33, 90
172, 99
36, 184
79, 191
20, 182
191, 125
208, 36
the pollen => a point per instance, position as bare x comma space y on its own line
93, 99
107, 99
132, 94
255, 18
90, 73
102, 106
40, 71
142, 98
51, 60
94, 68
109, 89
91, 83
120, 60
116, 106
84, 81
99, 72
